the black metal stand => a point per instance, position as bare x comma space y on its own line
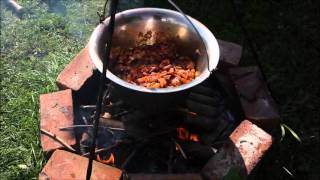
102, 82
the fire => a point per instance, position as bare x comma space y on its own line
194, 137
184, 134
109, 161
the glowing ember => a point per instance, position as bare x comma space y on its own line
109, 161
194, 137
184, 134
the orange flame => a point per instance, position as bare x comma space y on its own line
109, 161
184, 134
194, 137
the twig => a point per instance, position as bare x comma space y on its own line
88, 126
180, 149
93, 107
55, 137
103, 149
186, 111
85, 126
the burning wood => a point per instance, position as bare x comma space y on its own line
184, 134
194, 137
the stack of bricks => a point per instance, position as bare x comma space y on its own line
244, 149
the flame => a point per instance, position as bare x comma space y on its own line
194, 137
109, 161
184, 134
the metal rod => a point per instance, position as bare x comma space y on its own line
113, 8
195, 29
89, 126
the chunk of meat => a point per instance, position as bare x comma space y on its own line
152, 66
162, 82
176, 81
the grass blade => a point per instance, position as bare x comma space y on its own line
294, 134
283, 132
285, 169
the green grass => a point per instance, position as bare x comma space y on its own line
35, 49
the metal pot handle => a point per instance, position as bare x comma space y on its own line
194, 27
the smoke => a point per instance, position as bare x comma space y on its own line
81, 15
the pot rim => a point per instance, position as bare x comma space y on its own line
209, 41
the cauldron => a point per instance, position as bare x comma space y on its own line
129, 23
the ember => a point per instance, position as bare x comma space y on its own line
184, 134
153, 66
109, 161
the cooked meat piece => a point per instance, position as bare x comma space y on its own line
152, 66
163, 82
176, 81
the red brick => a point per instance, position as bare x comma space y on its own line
77, 72
56, 110
66, 165
256, 100
247, 144
252, 142
230, 53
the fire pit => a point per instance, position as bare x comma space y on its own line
175, 140
130, 23
204, 136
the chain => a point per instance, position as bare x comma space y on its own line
194, 27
